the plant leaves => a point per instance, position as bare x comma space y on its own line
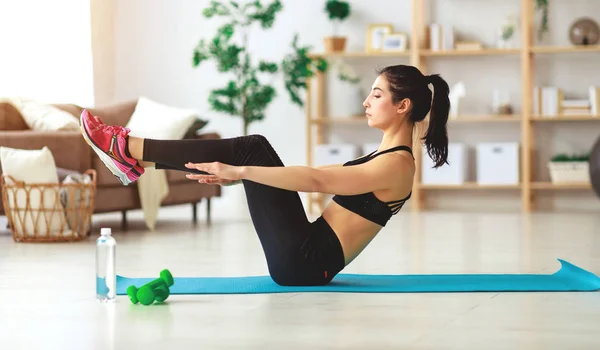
267, 67
265, 16
215, 8
224, 99
337, 10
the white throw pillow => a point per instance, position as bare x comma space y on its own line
33, 167
154, 120
44, 117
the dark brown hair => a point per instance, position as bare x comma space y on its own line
408, 82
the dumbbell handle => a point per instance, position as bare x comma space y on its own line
165, 279
156, 283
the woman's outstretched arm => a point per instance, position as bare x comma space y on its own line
377, 174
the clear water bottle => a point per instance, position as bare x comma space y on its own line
106, 277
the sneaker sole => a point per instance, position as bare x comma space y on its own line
103, 157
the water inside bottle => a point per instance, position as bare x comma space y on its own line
106, 283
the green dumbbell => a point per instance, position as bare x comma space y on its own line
157, 289
132, 293
161, 293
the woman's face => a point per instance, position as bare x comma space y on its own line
380, 110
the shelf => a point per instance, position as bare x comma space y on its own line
564, 118
479, 52
491, 118
565, 49
560, 186
358, 54
453, 52
474, 118
468, 186
534, 185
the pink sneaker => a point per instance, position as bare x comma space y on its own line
110, 142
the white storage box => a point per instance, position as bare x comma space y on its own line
327, 154
569, 172
453, 173
498, 163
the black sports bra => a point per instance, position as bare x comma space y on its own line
368, 205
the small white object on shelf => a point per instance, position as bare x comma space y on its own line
594, 96
453, 173
569, 172
457, 92
498, 163
326, 154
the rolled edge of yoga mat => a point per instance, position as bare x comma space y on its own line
568, 278
572, 271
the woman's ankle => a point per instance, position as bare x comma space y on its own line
135, 148
144, 164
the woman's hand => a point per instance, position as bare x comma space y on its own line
218, 173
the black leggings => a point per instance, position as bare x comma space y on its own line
298, 252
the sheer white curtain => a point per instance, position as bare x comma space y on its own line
46, 51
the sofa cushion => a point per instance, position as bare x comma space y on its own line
10, 118
114, 114
69, 149
175, 176
40, 116
158, 121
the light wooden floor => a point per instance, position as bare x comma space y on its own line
47, 290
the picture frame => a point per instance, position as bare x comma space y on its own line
375, 34
394, 42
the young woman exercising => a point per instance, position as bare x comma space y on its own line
368, 190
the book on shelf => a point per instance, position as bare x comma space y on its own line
574, 107
468, 45
549, 102
594, 96
440, 38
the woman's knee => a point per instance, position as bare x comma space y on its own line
256, 149
259, 141
254, 142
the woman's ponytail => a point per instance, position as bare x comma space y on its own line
436, 138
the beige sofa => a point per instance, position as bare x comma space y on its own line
71, 152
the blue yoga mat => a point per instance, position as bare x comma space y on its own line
568, 278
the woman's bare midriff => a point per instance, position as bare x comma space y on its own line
353, 231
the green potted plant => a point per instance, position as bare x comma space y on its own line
245, 95
337, 12
542, 6
573, 168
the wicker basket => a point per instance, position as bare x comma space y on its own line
569, 172
53, 212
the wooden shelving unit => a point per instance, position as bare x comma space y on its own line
482, 52
565, 118
418, 56
470, 186
566, 186
565, 49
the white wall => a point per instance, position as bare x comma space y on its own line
102, 19
154, 40
45, 51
